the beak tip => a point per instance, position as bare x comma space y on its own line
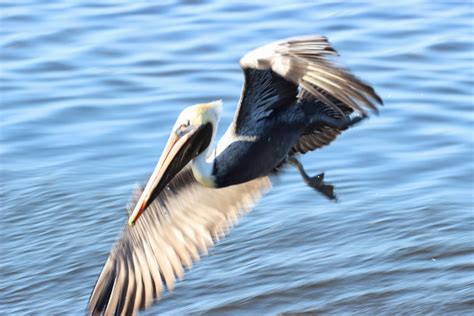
131, 223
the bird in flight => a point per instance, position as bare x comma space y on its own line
295, 98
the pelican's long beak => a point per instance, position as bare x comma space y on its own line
179, 150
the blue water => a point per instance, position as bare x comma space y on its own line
90, 90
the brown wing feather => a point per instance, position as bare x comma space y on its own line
320, 135
176, 229
316, 139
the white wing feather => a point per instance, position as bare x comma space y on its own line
175, 230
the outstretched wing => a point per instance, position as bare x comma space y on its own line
179, 226
307, 61
275, 73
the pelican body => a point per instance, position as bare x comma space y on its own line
295, 99
261, 147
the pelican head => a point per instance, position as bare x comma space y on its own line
192, 135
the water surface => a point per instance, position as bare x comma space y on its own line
89, 92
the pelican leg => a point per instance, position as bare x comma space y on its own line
316, 182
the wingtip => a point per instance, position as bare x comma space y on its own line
379, 102
379, 99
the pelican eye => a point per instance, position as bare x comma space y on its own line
183, 129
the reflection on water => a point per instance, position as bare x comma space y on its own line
90, 91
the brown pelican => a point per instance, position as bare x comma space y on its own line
295, 98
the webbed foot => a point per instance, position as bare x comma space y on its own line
316, 182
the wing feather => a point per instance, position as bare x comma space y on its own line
180, 225
116, 290
137, 302
319, 135
130, 307
308, 61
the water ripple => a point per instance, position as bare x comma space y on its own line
89, 91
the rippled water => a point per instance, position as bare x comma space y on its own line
90, 91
